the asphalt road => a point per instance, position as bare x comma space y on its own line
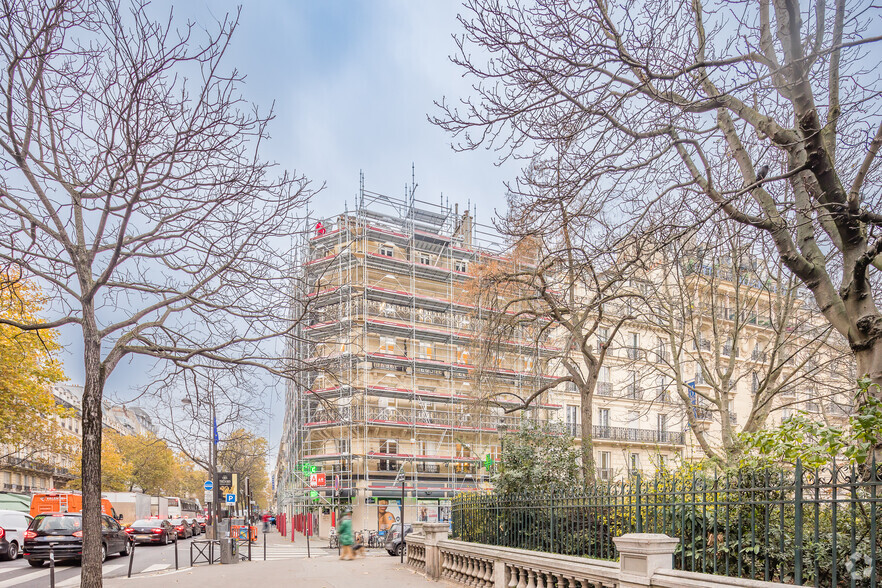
147, 559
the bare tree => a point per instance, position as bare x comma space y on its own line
134, 192
554, 290
766, 113
725, 316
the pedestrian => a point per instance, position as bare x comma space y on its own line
266, 519
344, 534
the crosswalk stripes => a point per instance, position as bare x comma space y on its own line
42, 575
155, 568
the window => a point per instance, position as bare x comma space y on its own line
425, 350
604, 374
663, 395
387, 249
605, 469
662, 422
463, 452
635, 462
786, 413
425, 259
602, 337
603, 417
387, 344
634, 392
661, 351
390, 447
342, 445
572, 418
461, 266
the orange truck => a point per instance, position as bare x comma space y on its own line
63, 501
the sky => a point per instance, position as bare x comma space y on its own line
351, 84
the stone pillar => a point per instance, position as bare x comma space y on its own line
434, 532
642, 554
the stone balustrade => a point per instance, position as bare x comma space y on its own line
644, 562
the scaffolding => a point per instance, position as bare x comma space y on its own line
388, 337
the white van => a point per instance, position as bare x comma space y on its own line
13, 524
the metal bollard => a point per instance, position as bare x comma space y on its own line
131, 559
52, 565
264, 547
176, 555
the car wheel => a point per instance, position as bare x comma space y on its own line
165, 538
390, 552
128, 549
399, 549
36, 562
13, 550
103, 553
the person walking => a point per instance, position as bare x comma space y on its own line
344, 534
266, 523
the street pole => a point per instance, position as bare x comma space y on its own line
403, 484
212, 448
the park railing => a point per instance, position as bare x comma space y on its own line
791, 525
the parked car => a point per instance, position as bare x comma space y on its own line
152, 531
394, 542
13, 525
182, 526
65, 531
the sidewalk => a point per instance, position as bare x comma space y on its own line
319, 572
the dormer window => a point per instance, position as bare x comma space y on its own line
461, 266
425, 259
387, 250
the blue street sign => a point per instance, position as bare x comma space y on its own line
208, 485
231, 499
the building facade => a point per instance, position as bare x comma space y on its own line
390, 390
387, 384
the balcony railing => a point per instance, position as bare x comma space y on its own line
634, 353
634, 392
409, 416
604, 389
637, 435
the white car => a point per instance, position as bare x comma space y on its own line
13, 525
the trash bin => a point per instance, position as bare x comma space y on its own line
228, 553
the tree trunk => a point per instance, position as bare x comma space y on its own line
869, 363
93, 391
587, 398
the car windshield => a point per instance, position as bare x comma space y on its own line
56, 523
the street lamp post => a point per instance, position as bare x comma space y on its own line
212, 458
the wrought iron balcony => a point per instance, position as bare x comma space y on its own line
638, 435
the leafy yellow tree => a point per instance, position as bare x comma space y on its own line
150, 461
245, 454
116, 472
28, 367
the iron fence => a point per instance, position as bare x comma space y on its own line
790, 525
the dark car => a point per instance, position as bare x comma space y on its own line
65, 532
394, 542
152, 531
182, 526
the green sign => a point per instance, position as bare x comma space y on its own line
314, 495
307, 468
488, 461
